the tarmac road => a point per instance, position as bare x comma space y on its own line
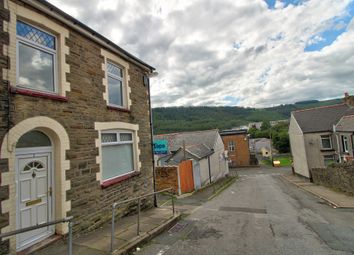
259, 214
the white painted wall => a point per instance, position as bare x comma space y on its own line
219, 166
298, 149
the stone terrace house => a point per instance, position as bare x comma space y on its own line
75, 129
322, 135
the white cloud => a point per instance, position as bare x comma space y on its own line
205, 50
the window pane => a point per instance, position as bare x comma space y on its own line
33, 139
115, 91
326, 143
328, 159
117, 160
109, 137
35, 68
35, 35
126, 137
115, 70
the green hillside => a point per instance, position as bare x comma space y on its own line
177, 119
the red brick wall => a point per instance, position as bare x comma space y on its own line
241, 155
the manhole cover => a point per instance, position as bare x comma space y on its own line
178, 227
242, 209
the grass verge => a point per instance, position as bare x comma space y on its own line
284, 160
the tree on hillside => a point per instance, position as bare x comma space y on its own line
252, 131
265, 125
280, 141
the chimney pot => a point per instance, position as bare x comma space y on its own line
348, 100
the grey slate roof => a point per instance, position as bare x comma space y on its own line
346, 124
321, 119
175, 140
199, 150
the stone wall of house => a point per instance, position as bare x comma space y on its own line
90, 203
167, 177
339, 177
4, 117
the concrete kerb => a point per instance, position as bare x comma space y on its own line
186, 195
331, 203
146, 237
223, 187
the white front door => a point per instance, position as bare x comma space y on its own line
34, 198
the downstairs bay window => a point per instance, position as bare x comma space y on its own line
118, 154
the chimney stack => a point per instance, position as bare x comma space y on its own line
348, 100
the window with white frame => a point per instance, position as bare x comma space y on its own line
36, 58
115, 80
328, 159
231, 145
345, 143
118, 156
326, 142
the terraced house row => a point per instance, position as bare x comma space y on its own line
75, 130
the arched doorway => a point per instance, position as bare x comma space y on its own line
34, 177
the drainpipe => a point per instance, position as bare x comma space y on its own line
150, 75
209, 169
209, 166
338, 145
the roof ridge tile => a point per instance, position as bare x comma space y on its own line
319, 107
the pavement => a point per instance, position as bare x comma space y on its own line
187, 203
98, 242
152, 222
260, 213
337, 199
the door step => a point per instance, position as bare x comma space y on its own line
40, 245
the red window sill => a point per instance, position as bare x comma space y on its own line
116, 108
119, 179
28, 92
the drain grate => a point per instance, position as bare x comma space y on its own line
178, 227
242, 209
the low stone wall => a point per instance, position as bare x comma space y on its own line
167, 177
338, 177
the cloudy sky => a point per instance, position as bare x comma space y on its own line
232, 52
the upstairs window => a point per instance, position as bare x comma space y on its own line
36, 58
231, 146
326, 142
117, 154
115, 85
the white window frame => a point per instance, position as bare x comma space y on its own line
231, 145
345, 143
324, 159
25, 41
323, 137
116, 77
118, 142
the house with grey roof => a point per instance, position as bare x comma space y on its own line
205, 148
261, 146
322, 135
